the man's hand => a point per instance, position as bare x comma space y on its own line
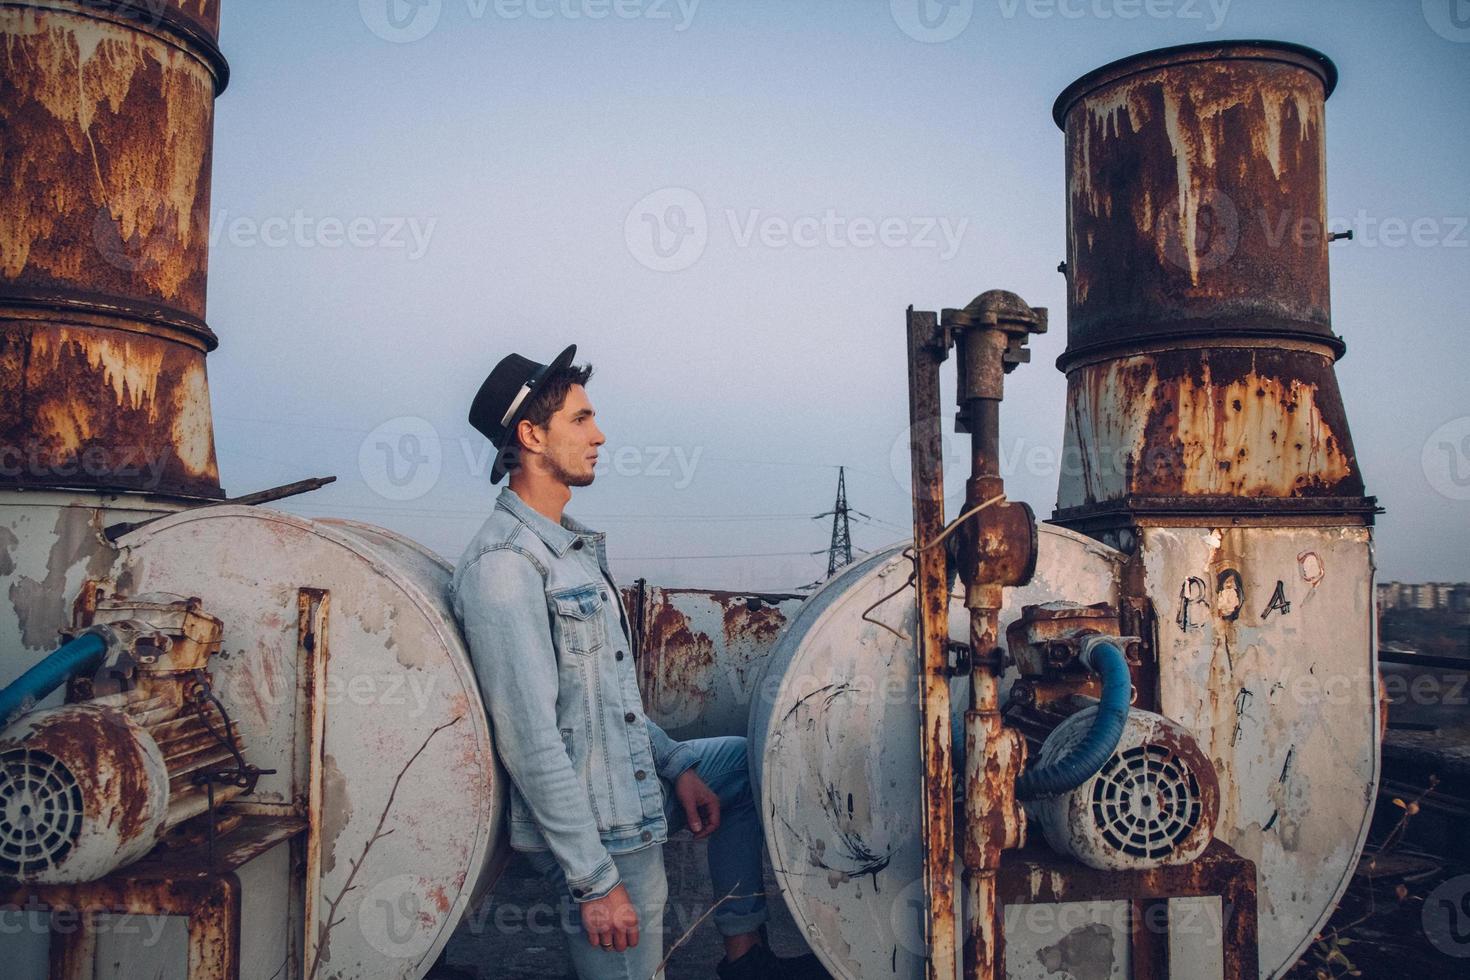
701, 805
611, 921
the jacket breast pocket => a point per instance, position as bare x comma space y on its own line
579, 619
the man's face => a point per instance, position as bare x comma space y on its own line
571, 440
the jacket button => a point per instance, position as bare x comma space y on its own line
604, 595
578, 892
640, 775
618, 655
630, 717
577, 544
647, 835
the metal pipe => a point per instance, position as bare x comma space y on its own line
81, 655
931, 596
1105, 658
997, 548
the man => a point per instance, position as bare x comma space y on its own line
597, 785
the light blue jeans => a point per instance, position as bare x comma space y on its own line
735, 855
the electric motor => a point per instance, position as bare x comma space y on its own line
1155, 801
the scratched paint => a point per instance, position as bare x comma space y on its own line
702, 652
834, 745
1283, 699
412, 793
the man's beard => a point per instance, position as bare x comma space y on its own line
556, 469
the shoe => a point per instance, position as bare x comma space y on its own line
762, 964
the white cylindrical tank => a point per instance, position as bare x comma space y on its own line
834, 750
409, 798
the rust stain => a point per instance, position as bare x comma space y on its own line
1196, 192
104, 236
677, 662
130, 118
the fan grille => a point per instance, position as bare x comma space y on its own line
40, 811
1146, 801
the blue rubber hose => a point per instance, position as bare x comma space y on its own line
1089, 755
81, 655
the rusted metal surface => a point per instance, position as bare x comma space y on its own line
169, 882
1200, 347
931, 603
837, 718
1249, 424
410, 810
108, 111
997, 547
1266, 656
1196, 197
701, 652
1036, 876
85, 790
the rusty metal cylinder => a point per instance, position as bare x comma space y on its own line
108, 115
1196, 196
1200, 347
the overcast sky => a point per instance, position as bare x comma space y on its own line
405, 190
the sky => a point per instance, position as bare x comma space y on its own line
406, 190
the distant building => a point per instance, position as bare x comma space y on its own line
1429, 596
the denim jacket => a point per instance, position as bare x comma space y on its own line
549, 639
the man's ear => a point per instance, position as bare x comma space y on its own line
529, 436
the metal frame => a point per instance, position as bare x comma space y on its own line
168, 881
1036, 875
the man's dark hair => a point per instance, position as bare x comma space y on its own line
551, 394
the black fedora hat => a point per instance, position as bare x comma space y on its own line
502, 400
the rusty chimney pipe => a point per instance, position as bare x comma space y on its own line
108, 116
1200, 347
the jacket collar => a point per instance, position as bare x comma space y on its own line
557, 537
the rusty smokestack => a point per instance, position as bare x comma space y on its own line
1200, 347
107, 111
